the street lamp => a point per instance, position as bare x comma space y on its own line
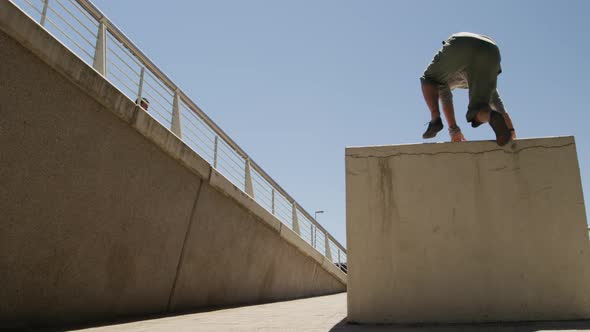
315, 216
314, 230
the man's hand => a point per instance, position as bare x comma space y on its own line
456, 134
457, 137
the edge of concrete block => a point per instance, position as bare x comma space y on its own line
472, 147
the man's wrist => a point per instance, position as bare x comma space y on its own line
454, 130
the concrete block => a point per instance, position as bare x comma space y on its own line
466, 232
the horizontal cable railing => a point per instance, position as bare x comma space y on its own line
84, 29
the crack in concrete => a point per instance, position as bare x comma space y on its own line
460, 152
170, 304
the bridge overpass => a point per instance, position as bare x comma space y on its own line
109, 210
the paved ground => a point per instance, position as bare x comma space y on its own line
325, 313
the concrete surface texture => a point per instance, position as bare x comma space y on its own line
105, 213
466, 232
318, 314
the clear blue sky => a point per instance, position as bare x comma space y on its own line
294, 82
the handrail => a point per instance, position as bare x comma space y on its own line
107, 25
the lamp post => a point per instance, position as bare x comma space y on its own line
315, 216
314, 231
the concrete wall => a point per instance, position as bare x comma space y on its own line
104, 213
466, 232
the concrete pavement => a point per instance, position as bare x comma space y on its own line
324, 313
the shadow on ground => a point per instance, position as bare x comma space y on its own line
584, 325
113, 321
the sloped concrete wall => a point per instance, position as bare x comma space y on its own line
225, 236
466, 232
104, 213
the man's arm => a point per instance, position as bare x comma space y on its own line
446, 99
498, 106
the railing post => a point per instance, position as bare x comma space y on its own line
295, 220
327, 244
339, 262
248, 188
215, 143
44, 12
100, 52
272, 199
140, 89
176, 115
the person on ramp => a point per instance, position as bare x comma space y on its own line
466, 61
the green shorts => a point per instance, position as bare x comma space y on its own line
477, 59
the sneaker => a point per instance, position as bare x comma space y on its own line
500, 128
434, 127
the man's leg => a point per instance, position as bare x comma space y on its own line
482, 82
484, 113
498, 105
446, 62
484, 116
430, 92
483, 77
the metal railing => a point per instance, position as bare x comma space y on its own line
89, 34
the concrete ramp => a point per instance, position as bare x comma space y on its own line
466, 232
104, 213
